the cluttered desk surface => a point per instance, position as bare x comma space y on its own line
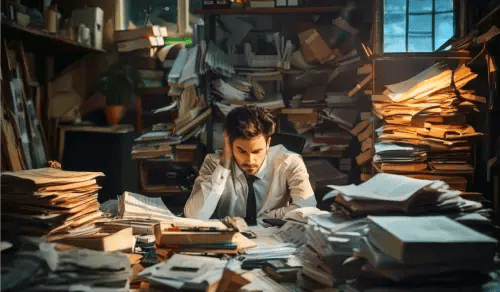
56, 237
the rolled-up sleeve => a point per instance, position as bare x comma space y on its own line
207, 189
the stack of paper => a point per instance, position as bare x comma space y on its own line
134, 206
232, 89
275, 251
49, 201
250, 88
429, 110
218, 61
186, 272
400, 157
390, 193
187, 67
329, 242
151, 150
44, 268
402, 247
179, 234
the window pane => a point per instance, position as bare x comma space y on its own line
395, 24
419, 43
395, 6
420, 23
444, 28
444, 5
394, 44
161, 12
419, 6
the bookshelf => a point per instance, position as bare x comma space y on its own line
54, 55
43, 40
210, 16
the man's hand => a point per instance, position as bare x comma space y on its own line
227, 153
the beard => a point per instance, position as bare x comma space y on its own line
248, 168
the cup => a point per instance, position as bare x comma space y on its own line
50, 20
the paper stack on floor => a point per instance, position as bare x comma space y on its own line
49, 201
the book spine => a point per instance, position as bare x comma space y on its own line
386, 242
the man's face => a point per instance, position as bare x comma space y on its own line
250, 154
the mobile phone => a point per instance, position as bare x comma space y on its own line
249, 234
274, 221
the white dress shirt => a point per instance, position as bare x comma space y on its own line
282, 185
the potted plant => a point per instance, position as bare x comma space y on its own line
119, 85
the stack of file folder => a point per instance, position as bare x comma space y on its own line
428, 111
49, 201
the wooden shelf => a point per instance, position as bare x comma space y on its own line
41, 40
288, 10
444, 55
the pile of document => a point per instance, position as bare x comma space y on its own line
262, 88
434, 248
185, 271
42, 267
142, 213
187, 67
198, 236
136, 206
428, 111
49, 201
196, 61
397, 194
233, 89
330, 240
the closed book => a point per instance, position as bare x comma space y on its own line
430, 239
165, 237
261, 4
137, 33
109, 238
140, 44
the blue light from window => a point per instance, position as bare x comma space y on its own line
411, 30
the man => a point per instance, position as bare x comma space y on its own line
249, 179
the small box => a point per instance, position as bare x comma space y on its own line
93, 18
216, 4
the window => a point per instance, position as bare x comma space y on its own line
160, 12
417, 25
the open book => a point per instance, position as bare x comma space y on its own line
135, 206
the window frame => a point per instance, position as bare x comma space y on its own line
433, 13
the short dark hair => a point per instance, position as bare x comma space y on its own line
247, 122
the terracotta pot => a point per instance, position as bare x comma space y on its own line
114, 113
